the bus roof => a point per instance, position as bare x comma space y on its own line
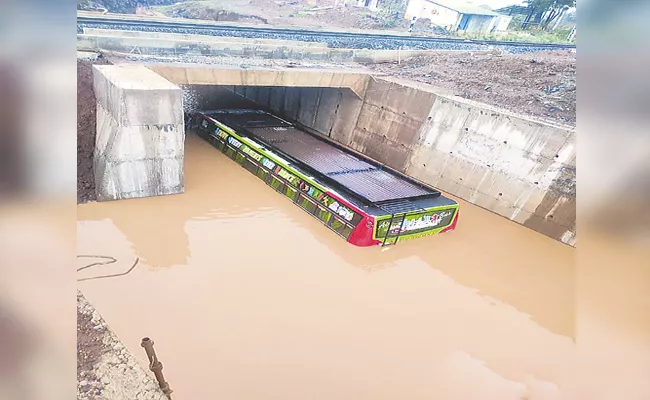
359, 175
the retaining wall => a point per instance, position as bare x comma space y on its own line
252, 48
196, 38
520, 168
139, 148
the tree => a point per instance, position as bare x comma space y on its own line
543, 12
556, 9
391, 12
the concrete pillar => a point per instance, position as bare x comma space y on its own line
140, 133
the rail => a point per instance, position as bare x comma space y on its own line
333, 38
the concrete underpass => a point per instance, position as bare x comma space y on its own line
519, 168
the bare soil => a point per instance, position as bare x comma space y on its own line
308, 13
90, 350
86, 129
541, 84
106, 370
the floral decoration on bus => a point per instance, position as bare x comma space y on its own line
416, 222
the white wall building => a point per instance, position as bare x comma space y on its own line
457, 15
371, 4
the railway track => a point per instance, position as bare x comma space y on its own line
334, 39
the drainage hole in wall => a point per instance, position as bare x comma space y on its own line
428, 118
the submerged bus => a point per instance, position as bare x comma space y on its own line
360, 199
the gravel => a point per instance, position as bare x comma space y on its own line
357, 41
105, 369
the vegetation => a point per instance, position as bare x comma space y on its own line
543, 12
391, 13
519, 35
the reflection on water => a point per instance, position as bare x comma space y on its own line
249, 297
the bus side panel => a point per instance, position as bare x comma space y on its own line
362, 234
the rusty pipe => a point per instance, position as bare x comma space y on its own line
156, 366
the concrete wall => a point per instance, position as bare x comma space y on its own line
281, 76
502, 23
439, 15
519, 168
243, 48
117, 33
330, 111
139, 147
371, 4
480, 24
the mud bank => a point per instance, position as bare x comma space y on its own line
105, 368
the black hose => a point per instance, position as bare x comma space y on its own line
109, 260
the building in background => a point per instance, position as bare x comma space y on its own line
458, 15
371, 4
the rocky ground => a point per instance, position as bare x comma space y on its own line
314, 13
540, 84
86, 129
105, 369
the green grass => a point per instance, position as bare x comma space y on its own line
535, 36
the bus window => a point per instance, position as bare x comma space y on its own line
250, 165
230, 152
356, 219
307, 204
337, 225
291, 193
277, 184
346, 231
323, 214
262, 174
239, 158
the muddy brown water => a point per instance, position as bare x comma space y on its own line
248, 297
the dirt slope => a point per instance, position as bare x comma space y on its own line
539, 84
